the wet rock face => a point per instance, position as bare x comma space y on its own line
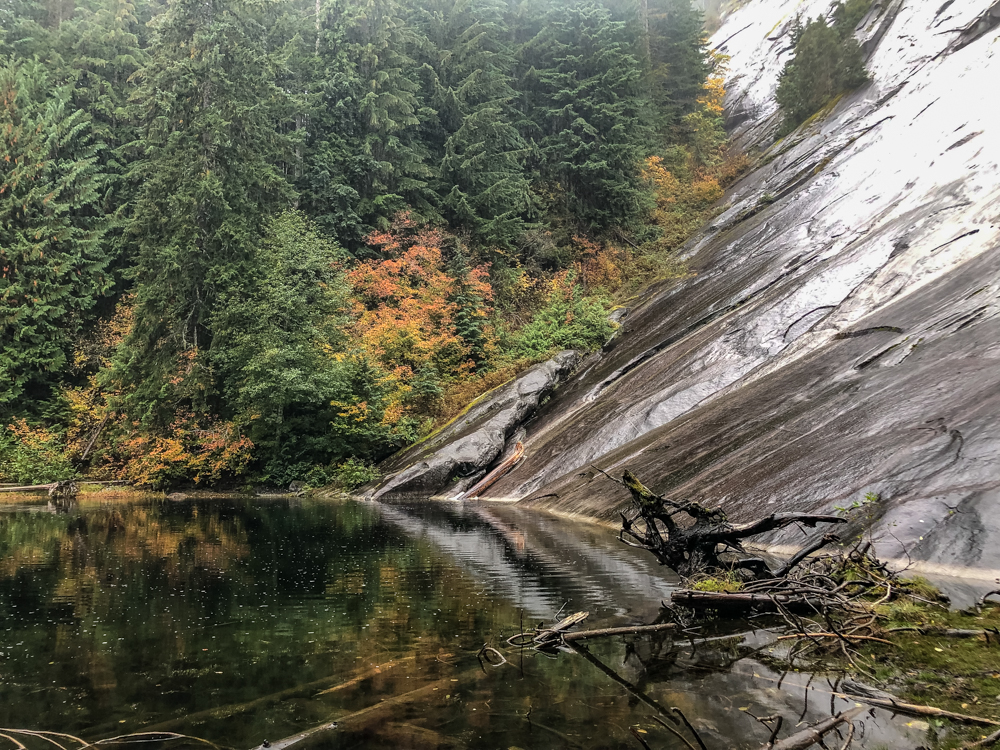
841, 335
470, 444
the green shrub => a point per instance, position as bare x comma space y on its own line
569, 320
827, 62
32, 455
354, 472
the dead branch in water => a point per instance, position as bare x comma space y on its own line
557, 635
691, 546
813, 734
307, 689
913, 709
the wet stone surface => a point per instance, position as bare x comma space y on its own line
840, 336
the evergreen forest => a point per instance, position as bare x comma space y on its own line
263, 241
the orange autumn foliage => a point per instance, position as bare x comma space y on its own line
405, 311
200, 450
599, 264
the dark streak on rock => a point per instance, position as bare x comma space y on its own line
866, 331
726, 41
803, 317
943, 8
925, 109
952, 242
864, 364
962, 142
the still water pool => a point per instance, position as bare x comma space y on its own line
243, 620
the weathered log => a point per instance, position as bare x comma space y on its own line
813, 734
949, 632
65, 488
29, 488
490, 479
607, 632
741, 602
988, 741
803, 553
690, 548
356, 719
913, 709
308, 689
553, 633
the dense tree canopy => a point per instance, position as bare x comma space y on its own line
262, 239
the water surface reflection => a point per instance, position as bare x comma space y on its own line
241, 620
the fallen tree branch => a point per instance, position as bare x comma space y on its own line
742, 602
948, 632
803, 553
813, 734
835, 635
984, 742
297, 691
297, 738
691, 548
557, 630
30, 488
607, 632
913, 709
356, 718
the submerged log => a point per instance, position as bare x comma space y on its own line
557, 630
608, 632
307, 689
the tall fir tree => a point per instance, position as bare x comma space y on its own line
482, 178
370, 161
584, 105
53, 264
678, 63
207, 105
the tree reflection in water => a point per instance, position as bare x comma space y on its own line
241, 620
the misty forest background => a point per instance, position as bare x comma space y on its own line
258, 241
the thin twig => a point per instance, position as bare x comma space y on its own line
691, 729
674, 732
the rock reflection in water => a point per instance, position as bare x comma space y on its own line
244, 620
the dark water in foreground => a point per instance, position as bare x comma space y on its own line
121, 616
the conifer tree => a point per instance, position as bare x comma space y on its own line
53, 266
278, 332
827, 62
370, 152
206, 105
101, 48
483, 182
582, 93
678, 62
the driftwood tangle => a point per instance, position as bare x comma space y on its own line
692, 548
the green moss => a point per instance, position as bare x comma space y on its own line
825, 110
956, 674
719, 584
